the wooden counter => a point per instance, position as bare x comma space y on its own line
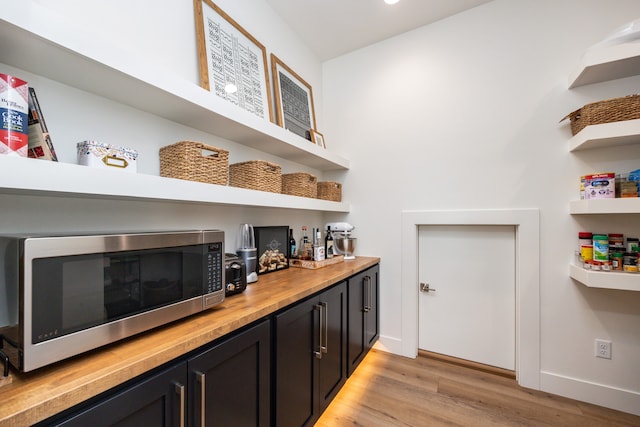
37, 395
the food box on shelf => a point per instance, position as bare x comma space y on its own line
600, 186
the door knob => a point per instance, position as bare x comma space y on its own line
424, 287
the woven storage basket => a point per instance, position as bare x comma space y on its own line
186, 160
256, 175
329, 190
607, 111
300, 184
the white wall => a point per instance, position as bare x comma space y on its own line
463, 114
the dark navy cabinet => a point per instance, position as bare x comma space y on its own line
364, 319
309, 356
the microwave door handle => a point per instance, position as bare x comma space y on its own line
200, 378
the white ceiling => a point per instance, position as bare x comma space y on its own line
335, 27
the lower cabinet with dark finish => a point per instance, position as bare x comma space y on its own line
309, 357
155, 401
230, 384
364, 323
227, 384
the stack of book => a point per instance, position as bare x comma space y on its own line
40, 144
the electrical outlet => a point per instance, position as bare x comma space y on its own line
603, 349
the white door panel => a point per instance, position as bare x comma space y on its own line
471, 313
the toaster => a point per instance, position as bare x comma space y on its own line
235, 274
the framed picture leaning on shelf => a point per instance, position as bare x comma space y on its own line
317, 138
294, 100
232, 63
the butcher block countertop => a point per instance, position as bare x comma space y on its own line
35, 396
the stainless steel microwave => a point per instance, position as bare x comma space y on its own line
63, 295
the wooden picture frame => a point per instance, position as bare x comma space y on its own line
229, 57
294, 100
317, 138
273, 248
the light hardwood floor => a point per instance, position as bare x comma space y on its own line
389, 390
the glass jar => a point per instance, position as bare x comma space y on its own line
630, 262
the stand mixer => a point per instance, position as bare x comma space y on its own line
344, 244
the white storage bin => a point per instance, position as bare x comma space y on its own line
107, 156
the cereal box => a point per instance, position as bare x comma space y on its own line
14, 109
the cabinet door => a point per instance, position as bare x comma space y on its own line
372, 319
332, 365
297, 343
230, 382
155, 401
363, 319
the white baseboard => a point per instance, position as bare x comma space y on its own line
389, 344
586, 391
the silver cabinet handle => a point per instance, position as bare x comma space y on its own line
370, 293
200, 377
319, 352
325, 348
367, 297
179, 389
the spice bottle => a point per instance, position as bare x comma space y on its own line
630, 262
617, 258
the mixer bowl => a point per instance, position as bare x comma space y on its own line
345, 246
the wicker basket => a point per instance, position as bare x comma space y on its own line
186, 160
300, 184
256, 175
607, 111
330, 190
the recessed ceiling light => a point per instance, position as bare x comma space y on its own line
391, 1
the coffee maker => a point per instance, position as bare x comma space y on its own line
248, 252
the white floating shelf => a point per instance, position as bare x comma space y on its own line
605, 279
41, 177
605, 206
607, 63
606, 135
55, 51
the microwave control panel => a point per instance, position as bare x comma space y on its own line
214, 291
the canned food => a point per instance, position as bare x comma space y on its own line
600, 247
